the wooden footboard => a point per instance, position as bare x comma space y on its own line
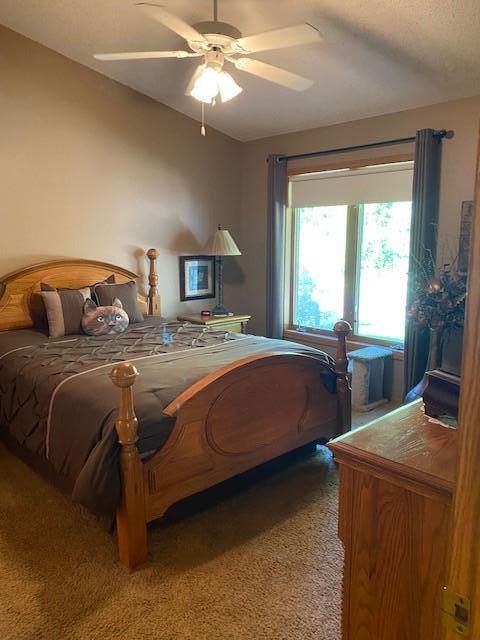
236, 418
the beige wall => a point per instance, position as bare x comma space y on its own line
458, 168
92, 169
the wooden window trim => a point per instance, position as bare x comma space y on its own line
351, 258
319, 338
351, 164
293, 250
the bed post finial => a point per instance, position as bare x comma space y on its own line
342, 328
131, 520
153, 296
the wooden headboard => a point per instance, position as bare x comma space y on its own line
16, 288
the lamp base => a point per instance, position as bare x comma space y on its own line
220, 311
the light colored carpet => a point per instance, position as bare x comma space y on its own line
264, 563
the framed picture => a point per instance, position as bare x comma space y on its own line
197, 277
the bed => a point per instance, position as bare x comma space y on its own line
130, 425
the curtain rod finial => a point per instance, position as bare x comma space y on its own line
444, 133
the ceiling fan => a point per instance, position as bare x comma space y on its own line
218, 42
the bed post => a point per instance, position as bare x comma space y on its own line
131, 520
342, 328
153, 296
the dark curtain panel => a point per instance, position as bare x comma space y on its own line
423, 245
276, 211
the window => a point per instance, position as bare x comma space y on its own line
320, 265
351, 250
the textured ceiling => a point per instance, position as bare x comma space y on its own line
377, 56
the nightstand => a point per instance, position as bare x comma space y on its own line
235, 324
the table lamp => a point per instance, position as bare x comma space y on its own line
221, 244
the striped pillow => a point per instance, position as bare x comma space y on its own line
64, 309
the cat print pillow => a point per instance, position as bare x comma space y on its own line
104, 321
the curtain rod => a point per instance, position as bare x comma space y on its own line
442, 133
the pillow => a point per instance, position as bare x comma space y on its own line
103, 321
37, 306
64, 309
127, 294
38, 312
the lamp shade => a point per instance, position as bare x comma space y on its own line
206, 86
227, 86
222, 244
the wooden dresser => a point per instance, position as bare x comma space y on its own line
396, 485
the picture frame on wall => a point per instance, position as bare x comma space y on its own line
197, 277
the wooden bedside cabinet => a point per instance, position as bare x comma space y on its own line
235, 324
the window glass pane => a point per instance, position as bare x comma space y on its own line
320, 266
384, 251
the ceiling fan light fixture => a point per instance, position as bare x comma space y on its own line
227, 86
208, 82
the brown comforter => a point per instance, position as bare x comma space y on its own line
58, 402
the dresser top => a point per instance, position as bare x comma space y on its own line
405, 444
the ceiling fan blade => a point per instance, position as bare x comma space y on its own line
144, 55
171, 21
280, 38
273, 74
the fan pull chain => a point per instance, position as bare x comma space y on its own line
202, 128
